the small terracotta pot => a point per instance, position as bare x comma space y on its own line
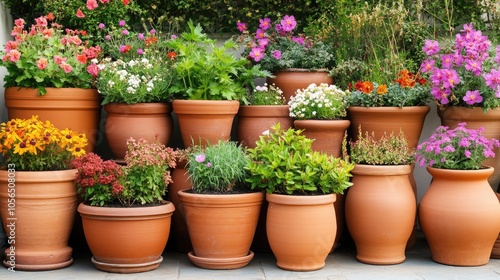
290, 80
327, 134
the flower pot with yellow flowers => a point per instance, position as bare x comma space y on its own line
38, 195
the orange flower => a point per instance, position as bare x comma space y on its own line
382, 89
172, 55
151, 41
50, 17
406, 79
364, 86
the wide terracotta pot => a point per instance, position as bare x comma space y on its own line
460, 216
253, 121
290, 80
126, 240
327, 134
301, 230
380, 211
150, 121
221, 227
73, 108
495, 252
38, 209
205, 121
476, 118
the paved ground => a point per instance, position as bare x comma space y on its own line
341, 264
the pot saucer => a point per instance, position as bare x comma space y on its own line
220, 263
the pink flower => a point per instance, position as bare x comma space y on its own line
427, 65
277, 54
66, 67
257, 54
101, 25
79, 13
298, 40
19, 22
92, 4
121, 23
200, 158
125, 32
473, 96
209, 164
260, 33
42, 63
447, 61
288, 23
263, 42
242, 27
140, 36
431, 47
265, 23
59, 59
93, 69
14, 55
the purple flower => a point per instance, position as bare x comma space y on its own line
265, 23
467, 153
125, 32
298, 40
173, 37
427, 65
123, 48
441, 95
277, 54
450, 78
493, 79
431, 47
260, 33
208, 164
242, 27
497, 54
475, 66
257, 54
200, 158
121, 23
288, 23
101, 25
140, 51
140, 36
473, 96
263, 42
108, 37
152, 31
447, 61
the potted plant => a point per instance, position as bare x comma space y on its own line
125, 219
465, 85
221, 211
459, 193
49, 65
300, 187
134, 83
210, 83
380, 207
295, 59
38, 192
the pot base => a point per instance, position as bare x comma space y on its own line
40, 267
220, 263
127, 268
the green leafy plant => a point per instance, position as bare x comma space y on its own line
283, 162
217, 168
267, 95
318, 102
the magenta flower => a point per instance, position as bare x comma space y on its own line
427, 65
264, 23
140, 36
497, 54
277, 54
208, 164
121, 23
140, 51
125, 32
257, 54
288, 23
474, 66
200, 158
260, 34
263, 42
492, 79
108, 37
431, 47
152, 31
450, 78
447, 61
101, 25
298, 40
242, 27
472, 97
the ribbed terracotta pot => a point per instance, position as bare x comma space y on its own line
150, 121
460, 216
205, 121
301, 230
476, 118
380, 211
253, 121
221, 227
39, 219
126, 240
290, 80
73, 108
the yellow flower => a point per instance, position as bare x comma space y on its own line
382, 89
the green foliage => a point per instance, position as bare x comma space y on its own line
267, 95
283, 162
217, 168
318, 102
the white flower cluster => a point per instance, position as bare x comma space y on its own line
318, 102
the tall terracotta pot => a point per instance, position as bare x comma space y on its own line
126, 240
380, 211
253, 121
495, 252
221, 227
73, 108
150, 121
290, 80
460, 216
301, 230
476, 118
38, 210
205, 121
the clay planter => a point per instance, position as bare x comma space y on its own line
221, 227
301, 230
327, 134
495, 252
290, 80
150, 121
380, 211
205, 121
73, 108
460, 216
253, 121
126, 240
40, 218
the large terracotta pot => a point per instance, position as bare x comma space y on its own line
301, 230
380, 211
253, 121
150, 121
205, 121
327, 134
126, 240
221, 227
290, 80
476, 118
38, 209
73, 108
495, 252
460, 216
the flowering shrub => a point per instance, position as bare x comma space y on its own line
276, 48
267, 95
49, 56
458, 148
143, 180
217, 168
34, 145
468, 75
407, 90
323, 102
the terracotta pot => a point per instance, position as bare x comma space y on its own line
495, 252
150, 121
476, 118
254, 120
221, 227
73, 108
126, 240
460, 216
380, 211
327, 134
290, 80
40, 217
205, 121
301, 230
